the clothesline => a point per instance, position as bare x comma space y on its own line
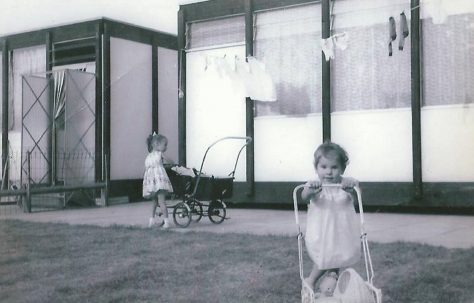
248, 76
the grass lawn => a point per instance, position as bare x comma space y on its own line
45, 262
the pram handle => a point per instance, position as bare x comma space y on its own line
248, 140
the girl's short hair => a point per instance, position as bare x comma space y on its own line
154, 137
329, 149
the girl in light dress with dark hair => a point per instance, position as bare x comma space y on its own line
156, 184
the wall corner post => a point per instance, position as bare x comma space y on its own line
416, 98
326, 71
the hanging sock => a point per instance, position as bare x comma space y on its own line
403, 31
392, 34
327, 45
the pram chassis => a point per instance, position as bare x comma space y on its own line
365, 247
209, 202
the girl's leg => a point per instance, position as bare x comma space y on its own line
161, 202
163, 208
153, 211
315, 274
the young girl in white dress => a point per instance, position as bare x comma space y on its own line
156, 183
332, 236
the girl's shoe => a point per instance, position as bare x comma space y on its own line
151, 222
166, 224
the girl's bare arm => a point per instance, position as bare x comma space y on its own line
310, 190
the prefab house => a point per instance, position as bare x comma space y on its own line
391, 81
79, 100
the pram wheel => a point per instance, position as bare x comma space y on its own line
216, 212
182, 215
196, 210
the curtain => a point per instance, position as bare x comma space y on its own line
23, 62
215, 32
448, 60
364, 76
287, 41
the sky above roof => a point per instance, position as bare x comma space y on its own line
26, 15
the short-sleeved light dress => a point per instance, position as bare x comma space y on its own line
155, 177
333, 230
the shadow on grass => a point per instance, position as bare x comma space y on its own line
46, 262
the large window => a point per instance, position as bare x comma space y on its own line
288, 42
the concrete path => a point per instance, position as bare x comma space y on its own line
439, 230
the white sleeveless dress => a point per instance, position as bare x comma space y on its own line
333, 230
155, 177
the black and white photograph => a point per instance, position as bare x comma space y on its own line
313, 151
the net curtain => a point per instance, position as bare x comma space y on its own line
24, 61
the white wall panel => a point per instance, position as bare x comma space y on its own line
284, 147
130, 107
378, 143
168, 99
447, 140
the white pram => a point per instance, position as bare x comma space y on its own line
363, 291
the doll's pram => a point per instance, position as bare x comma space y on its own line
201, 194
307, 294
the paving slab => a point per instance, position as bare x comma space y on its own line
452, 231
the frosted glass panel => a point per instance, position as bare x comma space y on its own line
447, 143
130, 107
168, 99
213, 111
284, 147
378, 144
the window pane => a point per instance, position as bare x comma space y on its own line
216, 32
288, 42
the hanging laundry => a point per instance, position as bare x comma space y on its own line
340, 40
226, 75
327, 45
335, 41
392, 34
403, 31
242, 70
263, 88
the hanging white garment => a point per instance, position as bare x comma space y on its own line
257, 82
261, 88
327, 46
340, 40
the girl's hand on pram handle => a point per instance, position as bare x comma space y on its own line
348, 182
310, 189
